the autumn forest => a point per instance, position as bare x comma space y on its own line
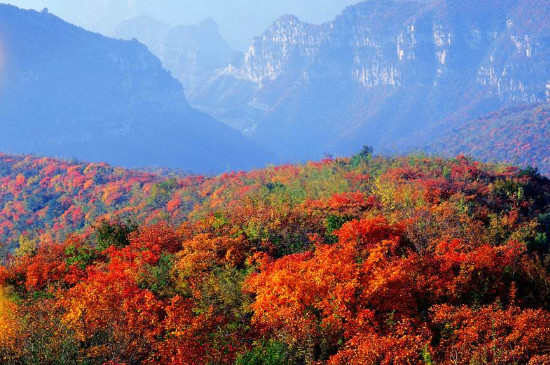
275, 182
360, 260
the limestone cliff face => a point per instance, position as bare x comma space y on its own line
382, 71
383, 43
287, 47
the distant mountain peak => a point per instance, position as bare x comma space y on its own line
288, 18
192, 53
209, 24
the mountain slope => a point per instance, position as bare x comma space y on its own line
191, 53
382, 71
70, 93
518, 135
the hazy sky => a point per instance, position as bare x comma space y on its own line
239, 20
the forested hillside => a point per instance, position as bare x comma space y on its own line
44, 199
517, 135
362, 260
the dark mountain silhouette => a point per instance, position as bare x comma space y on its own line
69, 93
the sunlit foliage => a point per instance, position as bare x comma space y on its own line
366, 260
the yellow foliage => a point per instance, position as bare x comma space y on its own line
385, 191
9, 325
27, 246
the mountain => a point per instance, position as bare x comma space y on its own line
239, 20
191, 53
383, 71
70, 93
518, 135
144, 28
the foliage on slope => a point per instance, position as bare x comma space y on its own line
349, 261
43, 198
518, 135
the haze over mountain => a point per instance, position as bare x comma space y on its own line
350, 258
191, 53
239, 20
381, 72
69, 93
395, 75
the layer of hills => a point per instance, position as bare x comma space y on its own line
70, 93
394, 75
361, 260
381, 72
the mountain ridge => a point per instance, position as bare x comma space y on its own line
66, 92
190, 52
380, 71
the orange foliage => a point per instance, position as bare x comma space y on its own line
9, 324
492, 335
347, 261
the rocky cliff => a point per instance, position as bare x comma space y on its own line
383, 71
